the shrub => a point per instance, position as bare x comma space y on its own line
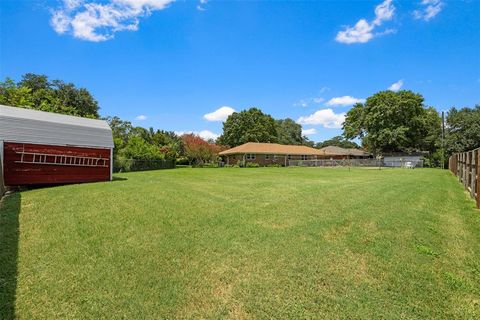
207, 165
274, 165
240, 163
252, 165
126, 165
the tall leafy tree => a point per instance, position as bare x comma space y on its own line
337, 141
394, 122
289, 132
250, 125
462, 130
199, 151
12, 95
35, 82
78, 98
38, 92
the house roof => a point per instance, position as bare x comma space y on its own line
272, 148
334, 150
358, 152
33, 126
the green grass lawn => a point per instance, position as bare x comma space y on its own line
244, 243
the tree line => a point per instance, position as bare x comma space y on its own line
131, 142
388, 122
400, 122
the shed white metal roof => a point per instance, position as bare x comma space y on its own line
33, 126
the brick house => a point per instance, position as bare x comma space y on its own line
273, 153
269, 153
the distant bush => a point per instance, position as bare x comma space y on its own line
274, 165
240, 164
252, 165
206, 165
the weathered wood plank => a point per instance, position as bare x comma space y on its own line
466, 166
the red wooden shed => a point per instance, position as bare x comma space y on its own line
39, 147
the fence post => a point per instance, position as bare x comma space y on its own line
473, 174
460, 168
459, 162
477, 186
469, 172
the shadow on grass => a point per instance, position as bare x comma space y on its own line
118, 179
9, 231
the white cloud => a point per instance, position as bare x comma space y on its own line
204, 134
200, 6
384, 12
308, 132
396, 86
360, 33
363, 31
308, 101
343, 101
99, 20
430, 8
141, 117
221, 114
325, 117
324, 89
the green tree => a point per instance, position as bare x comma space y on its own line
12, 95
139, 149
248, 126
37, 92
35, 82
337, 141
289, 132
462, 130
79, 99
394, 122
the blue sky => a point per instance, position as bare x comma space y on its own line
168, 64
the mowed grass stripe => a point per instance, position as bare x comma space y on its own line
248, 243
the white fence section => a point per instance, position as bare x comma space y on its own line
356, 163
336, 163
403, 161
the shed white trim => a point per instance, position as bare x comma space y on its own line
39, 127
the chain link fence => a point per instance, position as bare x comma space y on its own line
128, 165
336, 163
357, 163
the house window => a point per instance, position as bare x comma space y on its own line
250, 156
304, 157
267, 157
289, 157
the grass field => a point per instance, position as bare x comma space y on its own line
244, 243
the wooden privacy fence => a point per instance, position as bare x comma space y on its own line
466, 166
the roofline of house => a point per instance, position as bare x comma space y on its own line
226, 153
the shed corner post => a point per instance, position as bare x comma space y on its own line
2, 185
111, 164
